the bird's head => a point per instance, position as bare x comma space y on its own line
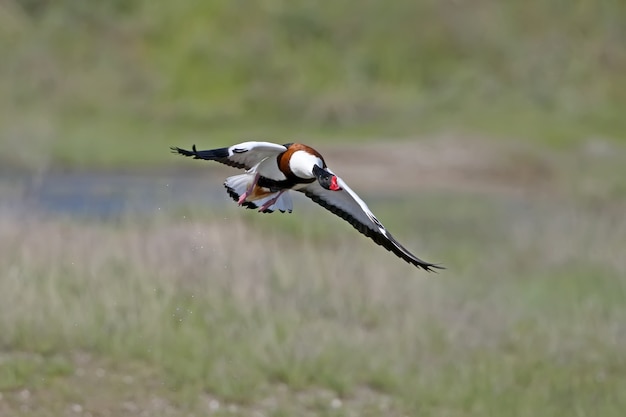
326, 179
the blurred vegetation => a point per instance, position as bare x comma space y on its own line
89, 83
529, 318
282, 317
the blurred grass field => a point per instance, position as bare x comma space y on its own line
221, 311
506, 164
172, 316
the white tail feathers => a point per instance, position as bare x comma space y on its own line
237, 185
282, 203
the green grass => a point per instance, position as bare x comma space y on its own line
528, 319
115, 84
20, 371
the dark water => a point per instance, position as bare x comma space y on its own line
109, 194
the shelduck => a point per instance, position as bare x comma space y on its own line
272, 170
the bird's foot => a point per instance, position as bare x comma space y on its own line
242, 198
271, 202
249, 190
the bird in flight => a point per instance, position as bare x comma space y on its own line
272, 170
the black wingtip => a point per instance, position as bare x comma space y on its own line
193, 152
431, 267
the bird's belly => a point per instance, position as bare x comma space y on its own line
259, 192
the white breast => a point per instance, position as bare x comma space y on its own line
301, 164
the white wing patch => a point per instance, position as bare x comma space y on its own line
347, 201
250, 154
243, 155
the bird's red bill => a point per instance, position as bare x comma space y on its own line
333, 184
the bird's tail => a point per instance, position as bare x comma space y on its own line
237, 185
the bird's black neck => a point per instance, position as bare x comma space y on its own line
277, 185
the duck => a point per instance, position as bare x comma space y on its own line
273, 170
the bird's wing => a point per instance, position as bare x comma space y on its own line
243, 155
349, 206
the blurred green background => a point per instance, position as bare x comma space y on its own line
491, 139
112, 82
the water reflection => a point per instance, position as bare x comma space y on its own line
107, 194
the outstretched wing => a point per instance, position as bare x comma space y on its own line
243, 155
347, 205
